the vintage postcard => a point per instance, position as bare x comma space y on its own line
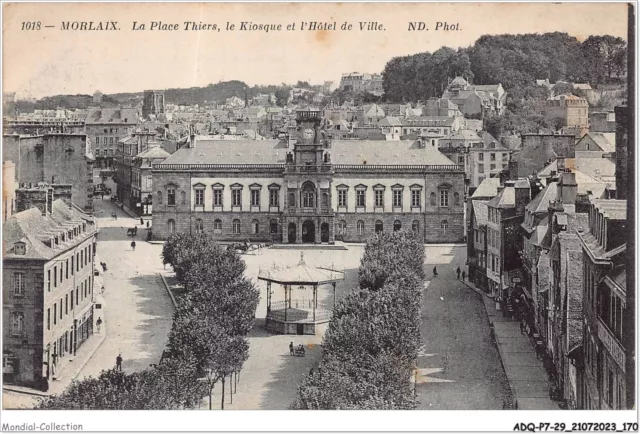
318, 206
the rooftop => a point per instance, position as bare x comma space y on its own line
487, 188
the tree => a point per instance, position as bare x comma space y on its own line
604, 56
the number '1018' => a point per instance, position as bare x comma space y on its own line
31, 25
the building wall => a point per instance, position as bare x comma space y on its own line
8, 189
430, 216
622, 152
538, 149
26, 348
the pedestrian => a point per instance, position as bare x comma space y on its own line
435, 271
311, 372
141, 221
147, 224
54, 366
119, 362
464, 275
102, 290
133, 245
102, 196
522, 328
291, 349
104, 266
458, 272
99, 322
115, 215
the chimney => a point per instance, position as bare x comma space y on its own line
567, 188
522, 195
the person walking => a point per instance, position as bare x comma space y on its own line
291, 349
522, 327
141, 221
99, 322
133, 246
435, 271
119, 363
147, 224
458, 272
464, 275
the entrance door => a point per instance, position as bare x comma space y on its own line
324, 232
300, 329
308, 232
292, 233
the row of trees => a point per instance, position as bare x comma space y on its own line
513, 60
371, 344
213, 318
207, 342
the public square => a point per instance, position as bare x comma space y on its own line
459, 365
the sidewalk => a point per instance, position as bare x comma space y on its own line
525, 373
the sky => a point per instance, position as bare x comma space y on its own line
53, 61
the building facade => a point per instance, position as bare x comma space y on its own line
105, 128
54, 159
152, 103
128, 149
47, 285
315, 191
605, 321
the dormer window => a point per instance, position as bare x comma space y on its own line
56, 240
20, 248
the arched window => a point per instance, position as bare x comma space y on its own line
342, 227
325, 200
444, 225
236, 226
292, 199
379, 226
199, 226
360, 227
397, 225
159, 198
432, 199
456, 198
171, 226
255, 227
217, 226
415, 226
308, 195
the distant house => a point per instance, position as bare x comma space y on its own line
391, 127
476, 101
596, 145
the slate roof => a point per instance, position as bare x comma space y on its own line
540, 203
505, 199
154, 152
35, 230
381, 152
113, 115
487, 188
301, 274
391, 121
208, 151
606, 141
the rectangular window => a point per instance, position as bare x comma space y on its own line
480, 156
217, 197
71, 293
55, 313
49, 319
415, 198
17, 324
171, 196
18, 284
379, 196
274, 197
255, 197
66, 272
342, 198
55, 276
493, 156
444, 198
66, 304
82, 258
480, 168
49, 280
360, 198
200, 197
77, 296
236, 195
397, 198
460, 159
77, 261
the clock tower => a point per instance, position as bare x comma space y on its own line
308, 216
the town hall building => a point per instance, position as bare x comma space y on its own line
314, 191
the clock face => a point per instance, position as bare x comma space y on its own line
308, 134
